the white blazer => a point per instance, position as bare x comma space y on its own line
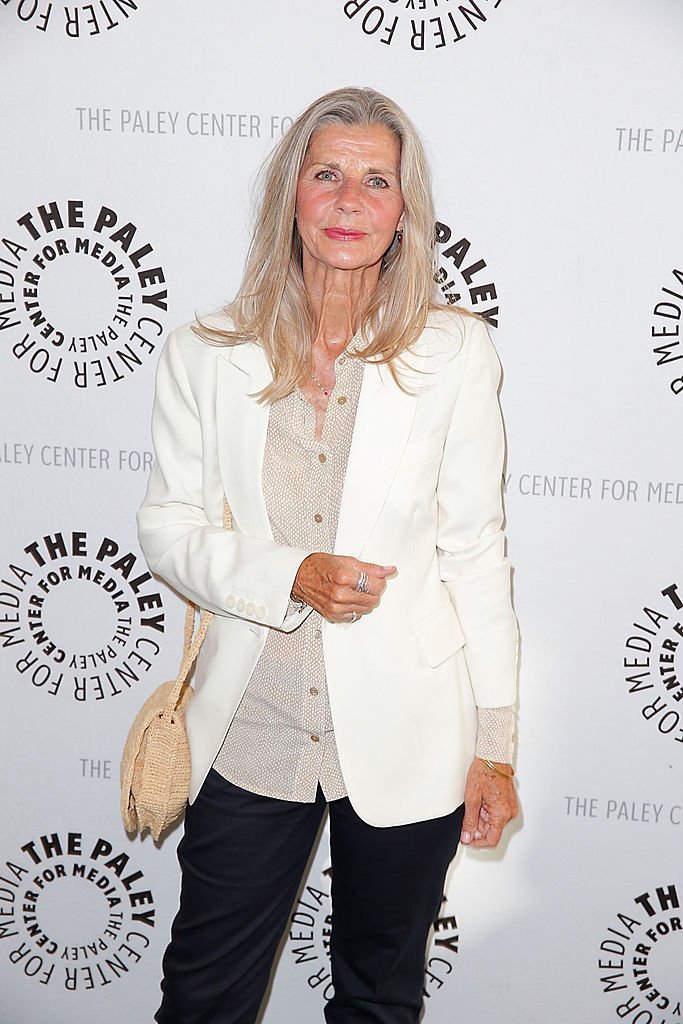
422, 492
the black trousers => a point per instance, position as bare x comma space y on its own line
242, 858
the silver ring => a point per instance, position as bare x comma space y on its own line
362, 585
353, 616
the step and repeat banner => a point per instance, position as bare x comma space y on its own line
132, 133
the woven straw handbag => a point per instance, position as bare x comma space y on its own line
155, 767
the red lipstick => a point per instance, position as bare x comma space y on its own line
343, 234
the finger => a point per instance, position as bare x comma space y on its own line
470, 824
350, 601
369, 596
374, 586
341, 611
377, 571
349, 576
347, 595
488, 839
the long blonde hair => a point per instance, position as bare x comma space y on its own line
272, 306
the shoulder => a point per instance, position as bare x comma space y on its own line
453, 338
201, 334
202, 341
200, 352
453, 330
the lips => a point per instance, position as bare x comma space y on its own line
343, 234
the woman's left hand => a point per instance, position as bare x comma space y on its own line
490, 802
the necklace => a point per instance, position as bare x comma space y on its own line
315, 380
326, 391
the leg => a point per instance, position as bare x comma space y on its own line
387, 885
242, 858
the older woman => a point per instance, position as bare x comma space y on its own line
364, 647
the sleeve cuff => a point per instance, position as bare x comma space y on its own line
495, 733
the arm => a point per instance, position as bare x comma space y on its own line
473, 566
470, 540
228, 573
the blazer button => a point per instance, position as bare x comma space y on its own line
240, 604
230, 601
251, 608
260, 612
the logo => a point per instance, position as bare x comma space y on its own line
652, 664
74, 913
197, 124
77, 20
82, 295
80, 616
463, 277
665, 332
639, 960
392, 22
311, 929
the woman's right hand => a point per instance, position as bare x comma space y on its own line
328, 584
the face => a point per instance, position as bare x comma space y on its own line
348, 200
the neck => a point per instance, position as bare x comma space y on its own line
339, 299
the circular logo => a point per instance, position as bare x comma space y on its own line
82, 296
639, 960
652, 664
463, 276
665, 331
80, 616
75, 21
308, 941
74, 912
398, 22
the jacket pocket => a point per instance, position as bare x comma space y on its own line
425, 449
440, 635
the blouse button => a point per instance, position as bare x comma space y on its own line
313, 691
342, 399
322, 458
318, 518
315, 738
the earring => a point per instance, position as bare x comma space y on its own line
399, 235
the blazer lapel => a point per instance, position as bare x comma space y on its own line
383, 420
242, 425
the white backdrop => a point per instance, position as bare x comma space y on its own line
131, 136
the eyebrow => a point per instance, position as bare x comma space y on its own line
336, 167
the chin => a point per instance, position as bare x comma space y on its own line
348, 261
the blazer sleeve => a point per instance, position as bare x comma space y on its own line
470, 539
226, 572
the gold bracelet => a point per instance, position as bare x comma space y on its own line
492, 766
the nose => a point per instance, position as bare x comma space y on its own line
349, 196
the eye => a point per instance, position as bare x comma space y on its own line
325, 175
377, 182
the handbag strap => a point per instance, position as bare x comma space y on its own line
192, 644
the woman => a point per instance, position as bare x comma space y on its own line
364, 639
